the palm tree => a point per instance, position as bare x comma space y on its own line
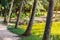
4, 3
29, 28
46, 35
10, 11
5, 21
18, 16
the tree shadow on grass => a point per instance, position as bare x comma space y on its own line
17, 31
31, 37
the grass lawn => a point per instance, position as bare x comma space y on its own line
38, 30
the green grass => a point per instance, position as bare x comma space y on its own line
38, 28
17, 31
32, 37
37, 31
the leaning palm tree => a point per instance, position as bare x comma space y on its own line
29, 28
18, 15
10, 11
46, 35
5, 21
4, 3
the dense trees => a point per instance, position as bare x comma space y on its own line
38, 5
49, 21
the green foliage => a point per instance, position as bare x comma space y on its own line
39, 14
42, 5
0, 7
25, 16
27, 8
45, 4
29, 5
22, 16
4, 3
13, 15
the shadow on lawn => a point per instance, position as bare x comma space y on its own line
32, 37
17, 31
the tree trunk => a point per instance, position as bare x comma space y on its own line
46, 35
29, 28
18, 16
10, 11
5, 21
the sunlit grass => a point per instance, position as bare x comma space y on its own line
38, 28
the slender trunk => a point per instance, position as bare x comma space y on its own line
10, 11
5, 21
46, 35
3, 13
29, 28
57, 3
18, 16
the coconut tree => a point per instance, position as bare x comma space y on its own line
5, 4
29, 28
46, 35
18, 16
10, 11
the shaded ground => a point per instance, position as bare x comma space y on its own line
5, 34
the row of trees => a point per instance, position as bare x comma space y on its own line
46, 35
